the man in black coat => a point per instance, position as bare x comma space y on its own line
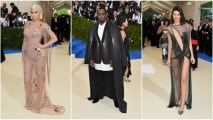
55, 26
200, 36
145, 32
106, 57
113, 16
4, 10
14, 8
62, 23
204, 31
67, 28
209, 39
153, 33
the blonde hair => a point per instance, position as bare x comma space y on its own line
38, 8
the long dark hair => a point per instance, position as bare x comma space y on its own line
164, 22
182, 18
121, 20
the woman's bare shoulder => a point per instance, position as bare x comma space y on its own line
123, 33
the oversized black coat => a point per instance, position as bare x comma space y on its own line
116, 54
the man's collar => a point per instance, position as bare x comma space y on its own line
103, 24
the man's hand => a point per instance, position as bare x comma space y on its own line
91, 63
110, 62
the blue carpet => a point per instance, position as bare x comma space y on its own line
204, 57
79, 49
6, 51
11, 51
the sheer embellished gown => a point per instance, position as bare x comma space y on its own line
179, 36
36, 62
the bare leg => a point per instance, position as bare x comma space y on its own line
126, 75
185, 71
176, 72
42, 101
126, 72
40, 84
27, 83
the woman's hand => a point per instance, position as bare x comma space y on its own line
39, 45
192, 60
168, 63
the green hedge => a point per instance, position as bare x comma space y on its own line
12, 38
81, 26
62, 12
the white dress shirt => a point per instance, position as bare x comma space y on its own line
101, 66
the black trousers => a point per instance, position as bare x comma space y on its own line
153, 40
209, 47
104, 84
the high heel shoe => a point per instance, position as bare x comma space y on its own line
126, 79
180, 112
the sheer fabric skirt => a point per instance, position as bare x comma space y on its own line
176, 76
36, 96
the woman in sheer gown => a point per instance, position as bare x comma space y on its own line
123, 24
36, 58
180, 54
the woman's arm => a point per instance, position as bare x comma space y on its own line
159, 30
190, 45
169, 47
123, 35
52, 35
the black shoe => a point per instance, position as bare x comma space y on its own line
122, 110
89, 98
189, 107
180, 112
96, 100
158, 47
115, 103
